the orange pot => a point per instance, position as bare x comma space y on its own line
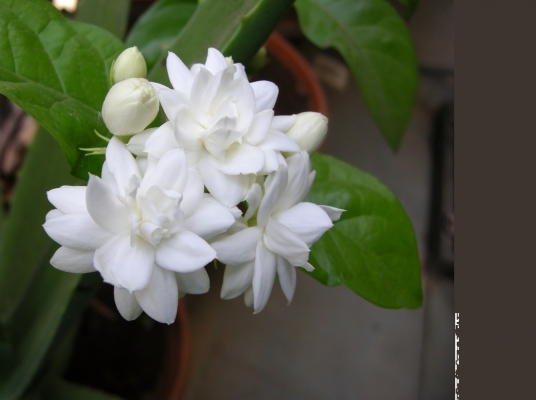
175, 369
299, 68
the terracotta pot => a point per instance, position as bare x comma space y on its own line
299, 88
140, 359
285, 54
175, 370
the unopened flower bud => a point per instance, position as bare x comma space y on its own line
130, 106
129, 64
309, 131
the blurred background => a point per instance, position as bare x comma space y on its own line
329, 343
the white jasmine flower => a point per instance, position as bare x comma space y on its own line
278, 239
308, 131
223, 123
129, 64
130, 106
145, 233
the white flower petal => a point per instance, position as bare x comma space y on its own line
298, 186
274, 186
161, 141
244, 101
224, 117
265, 95
104, 207
279, 142
272, 161
155, 203
136, 144
221, 139
196, 68
179, 75
253, 199
170, 100
76, 231
160, 298
196, 282
121, 164
237, 248
184, 252
107, 177
263, 276
229, 189
192, 192
333, 213
142, 163
215, 61
188, 131
282, 123
53, 214
235, 212
237, 279
287, 277
126, 304
240, 159
260, 127
281, 240
307, 220
210, 218
125, 265
68, 199
205, 87
169, 173
71, 260
308, 267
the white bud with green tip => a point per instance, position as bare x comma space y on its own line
309, 130
129, 64
130, 106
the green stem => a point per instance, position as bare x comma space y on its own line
238, 28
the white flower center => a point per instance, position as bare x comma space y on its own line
155, 215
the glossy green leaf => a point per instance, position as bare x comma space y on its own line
238, 28
57, 71
158, 27
378, 49
109, 15
372, 249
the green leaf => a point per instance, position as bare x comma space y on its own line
238, 28
109, 15
378, 49
158, 26
24, 241
57, 71
33, 295
61, 390
33, 325
372, 249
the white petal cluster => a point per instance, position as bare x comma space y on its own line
274, 236
165, 205
145, 233
223, 122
